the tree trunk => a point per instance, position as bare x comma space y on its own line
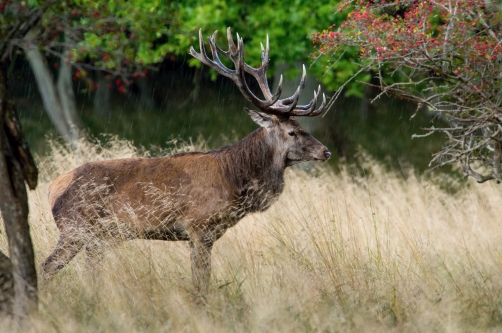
66, 94
59, 103
6, 285
102, 105
16, 167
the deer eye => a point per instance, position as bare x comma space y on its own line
292, 133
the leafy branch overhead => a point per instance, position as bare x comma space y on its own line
445, 55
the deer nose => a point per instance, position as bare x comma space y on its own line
327, 154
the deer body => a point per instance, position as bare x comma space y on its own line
175, 193
192, 197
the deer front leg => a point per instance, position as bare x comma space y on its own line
200, 255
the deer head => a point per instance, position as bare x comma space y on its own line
276, 115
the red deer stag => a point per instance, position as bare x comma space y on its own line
194, 196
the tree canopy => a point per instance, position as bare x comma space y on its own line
289, 24
445, 55
125, 37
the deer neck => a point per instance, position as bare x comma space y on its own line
255, 164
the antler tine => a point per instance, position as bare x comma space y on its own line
231, 45
309, 105
308, 110
260, 74
216, 59
288, 106
238, 44
278, 90
202, 57
265, 54
240, 54
267, 49
294, 99
262, 52
320, 109
216, 47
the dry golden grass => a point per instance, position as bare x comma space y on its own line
334, 254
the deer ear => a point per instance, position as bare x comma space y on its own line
262, 119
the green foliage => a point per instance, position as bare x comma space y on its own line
125, 36
144, 32
289, 24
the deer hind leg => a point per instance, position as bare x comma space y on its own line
94, 254
66, 249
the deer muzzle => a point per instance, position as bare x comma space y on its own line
327, 154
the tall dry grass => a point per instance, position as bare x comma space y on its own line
336, 253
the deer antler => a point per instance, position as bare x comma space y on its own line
271, 104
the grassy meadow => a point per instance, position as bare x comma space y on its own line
336, 253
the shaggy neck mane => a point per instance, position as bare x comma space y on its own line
253, 160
